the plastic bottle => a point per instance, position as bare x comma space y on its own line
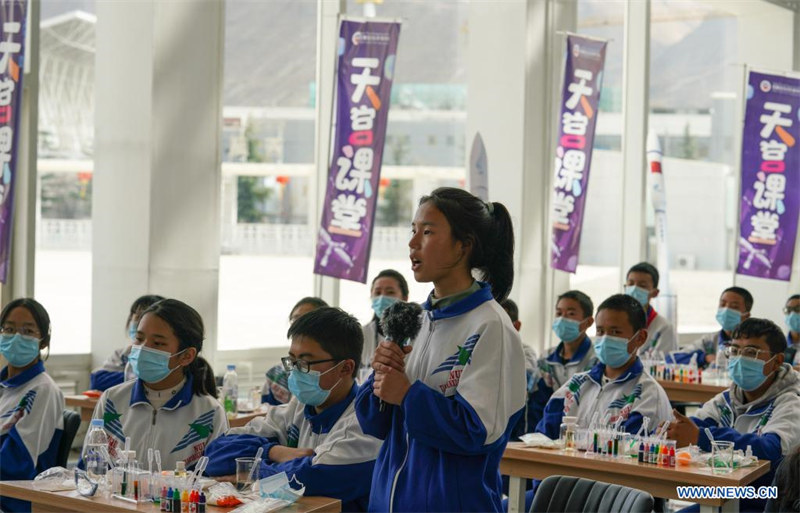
230, 390
180, 469
92, 454
568, 432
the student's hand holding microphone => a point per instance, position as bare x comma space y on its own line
400, 322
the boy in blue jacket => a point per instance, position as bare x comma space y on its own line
315, 437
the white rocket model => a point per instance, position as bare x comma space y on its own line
659, 199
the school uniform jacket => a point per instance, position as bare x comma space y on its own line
710, 343
31, 426
770, 424
660, 334
114, 371
553, 373
633, 396
275, 389
371, 340
442, 445
181, 429
343, 459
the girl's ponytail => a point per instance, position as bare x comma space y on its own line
499, 268
203, 377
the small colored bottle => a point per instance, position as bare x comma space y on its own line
193, 502
162, 506
176, 501
594, 441
167, 502
616, 446
641, 452
201, 503
672, 455
185, 501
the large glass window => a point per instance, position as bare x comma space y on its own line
697, 51
63, 272
267, 164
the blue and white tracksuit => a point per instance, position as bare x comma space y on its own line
769, 424
181, 429
710, 343
660, 334
633, 396
31, 426
443, 444
343, 459
114, 371
554, 373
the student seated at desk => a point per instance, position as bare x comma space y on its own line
735, 304
573, 354
276, 388
792, 313
31, 404
388, 287
116, 369
761, 409
642, 285
617, 384
172, 404
315, 437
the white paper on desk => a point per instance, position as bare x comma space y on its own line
51, 485
539, 440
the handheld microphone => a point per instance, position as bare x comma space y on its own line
400, 323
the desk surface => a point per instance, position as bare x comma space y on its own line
73, 501
690, 392
537, 463
87, 404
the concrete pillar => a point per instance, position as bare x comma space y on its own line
156, 201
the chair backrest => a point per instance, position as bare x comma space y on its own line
72, 421
566, 493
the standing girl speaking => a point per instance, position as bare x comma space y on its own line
454, 401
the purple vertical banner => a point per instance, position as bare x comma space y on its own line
12, 52
583, 79
365, 72
770, 203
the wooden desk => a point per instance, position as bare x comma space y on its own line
520, 462
690, 392
84, 404
86, 407
73, 501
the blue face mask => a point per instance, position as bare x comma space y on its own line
747, 373
305, 386
132, 330
277, 486
793, 321
381, 303
638, 293
612, 351
151, 365
728, 318
566, 329
18, 349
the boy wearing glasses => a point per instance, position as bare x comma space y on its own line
792, 313
315, 437
760, 409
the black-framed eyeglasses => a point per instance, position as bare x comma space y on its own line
290, 363
747, 352
791, 309
25, 332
